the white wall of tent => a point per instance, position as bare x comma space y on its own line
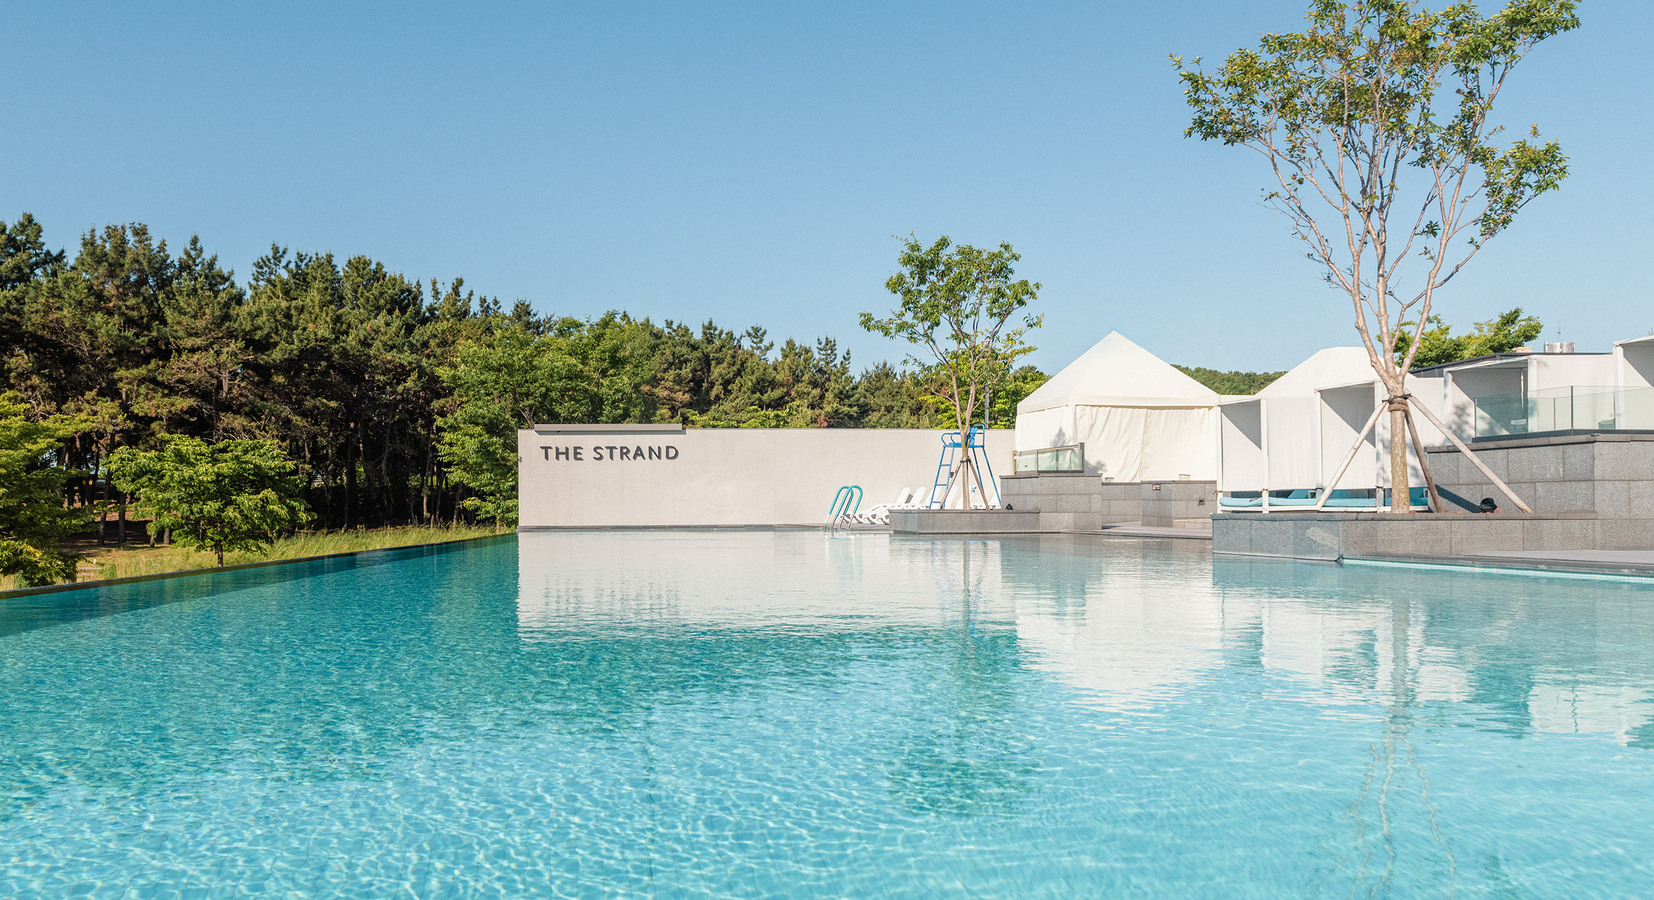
1123, 414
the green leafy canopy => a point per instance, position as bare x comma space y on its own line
33, 519
1501, 335
232, 495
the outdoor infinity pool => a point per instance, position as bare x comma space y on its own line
799, 714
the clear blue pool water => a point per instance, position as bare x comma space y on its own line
797, 714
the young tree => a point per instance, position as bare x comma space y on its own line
956, 303
33, 518
1376, 122
232, 495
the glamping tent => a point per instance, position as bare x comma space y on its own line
1300, 432
1270, 440
1137, 418
1344, 411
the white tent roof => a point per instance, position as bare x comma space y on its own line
1117, 372
1331, 367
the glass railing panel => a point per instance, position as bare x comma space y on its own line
1060, 459
1050, 459
1597, 410
1579, 408
1501, 414
1636, 409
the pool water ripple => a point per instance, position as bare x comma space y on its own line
797, 714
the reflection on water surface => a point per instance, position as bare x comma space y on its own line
792, 713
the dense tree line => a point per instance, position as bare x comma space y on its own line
398, 399
1508, 331
1231, 382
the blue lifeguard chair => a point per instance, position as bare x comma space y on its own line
946, 472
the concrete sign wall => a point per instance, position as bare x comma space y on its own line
575, 476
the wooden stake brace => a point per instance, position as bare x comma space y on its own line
1424, 463
1500, 484
1359, 440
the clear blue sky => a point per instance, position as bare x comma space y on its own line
751, 163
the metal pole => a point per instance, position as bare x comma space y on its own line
1263, 438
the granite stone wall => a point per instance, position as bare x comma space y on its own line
1079, 502
1173, 504
1332, 535
1605, 477
964, 521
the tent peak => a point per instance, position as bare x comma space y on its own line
1116, 371
1324, 368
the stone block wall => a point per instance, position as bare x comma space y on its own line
1329, 536
1607, 476
964, 521
1167, 504
1079, 502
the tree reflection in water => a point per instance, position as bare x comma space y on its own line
1394, 776
969, 753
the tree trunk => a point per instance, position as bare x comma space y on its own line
350, 483
966, 464
425, 486
103, 503
1400, 495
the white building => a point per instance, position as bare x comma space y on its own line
1526, 393
1634, 377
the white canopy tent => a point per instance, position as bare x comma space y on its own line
1272, 440
1344, 409
1139, 418
1299, 431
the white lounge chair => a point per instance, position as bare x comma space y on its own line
880, 515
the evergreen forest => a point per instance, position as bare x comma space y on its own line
397, 399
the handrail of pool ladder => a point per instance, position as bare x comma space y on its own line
846, 502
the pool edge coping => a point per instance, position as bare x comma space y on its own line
1507, 564
214, 570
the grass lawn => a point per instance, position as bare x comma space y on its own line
137, 559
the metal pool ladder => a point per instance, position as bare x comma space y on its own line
847, 502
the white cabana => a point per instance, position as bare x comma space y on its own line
1344, 409
1138, 418
1272, 440
1297, 433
